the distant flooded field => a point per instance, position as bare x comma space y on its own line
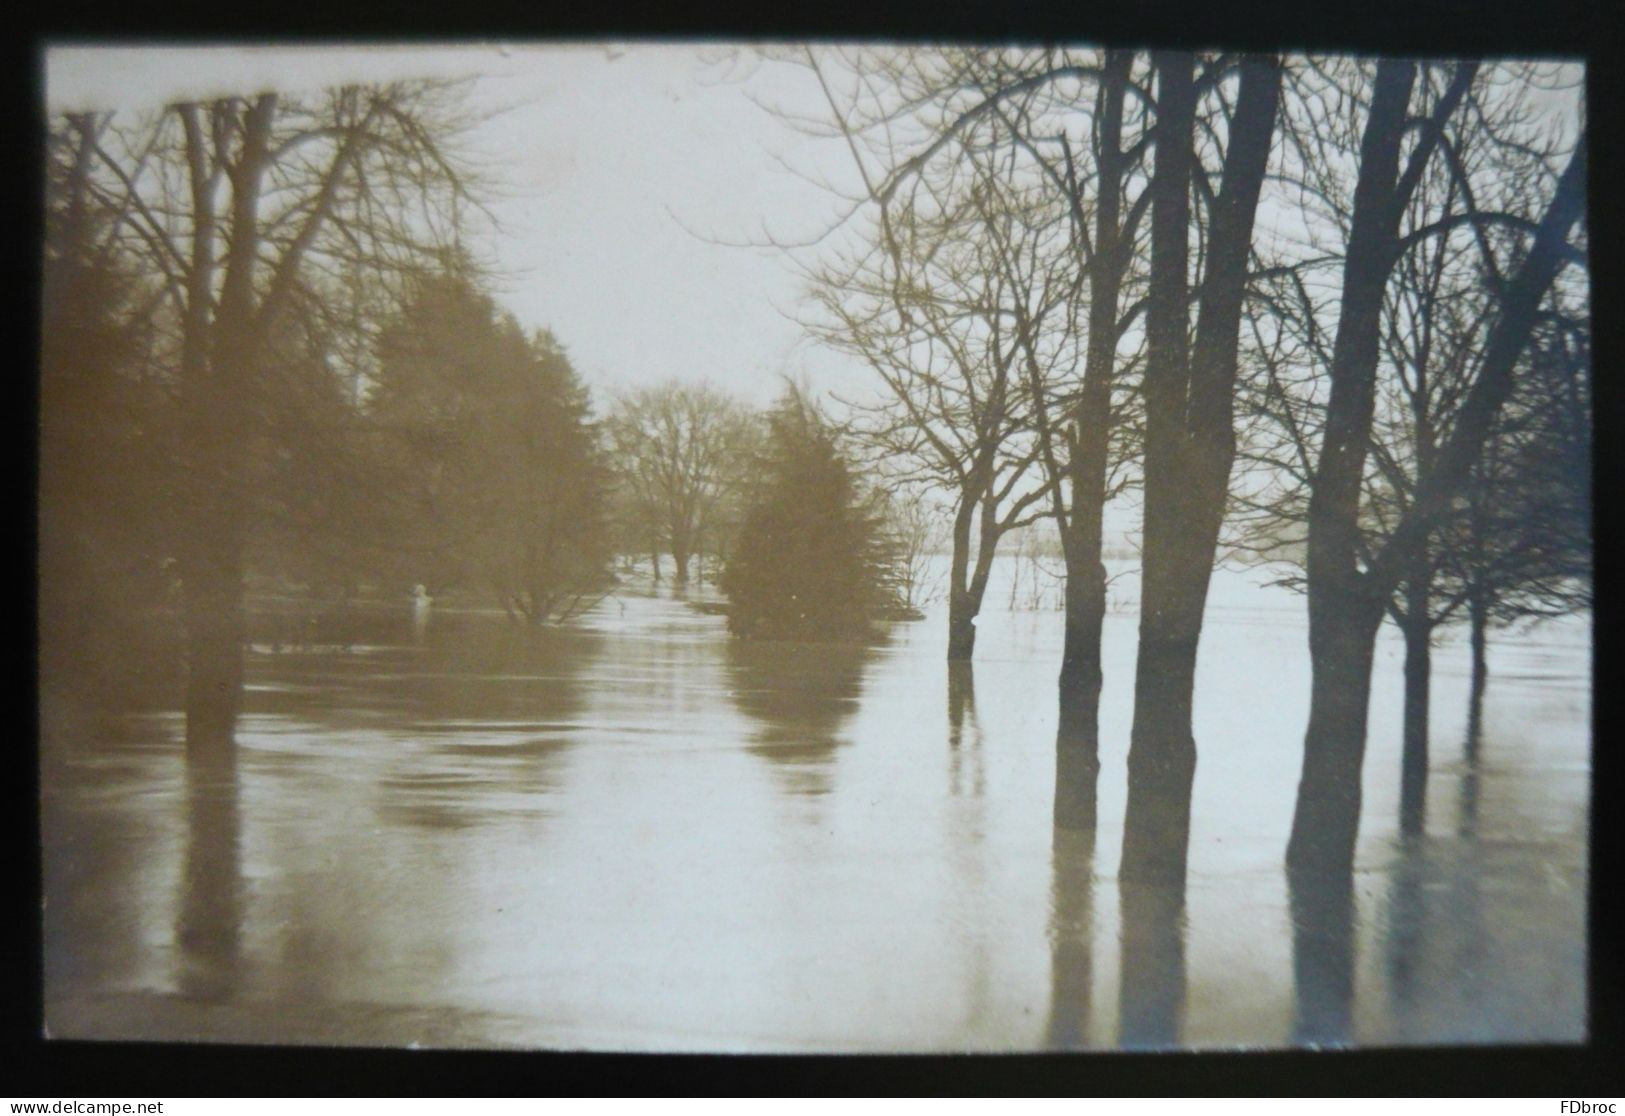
635, 833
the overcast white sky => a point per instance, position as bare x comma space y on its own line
607, 154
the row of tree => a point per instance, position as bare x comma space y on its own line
1329, 310
269, 362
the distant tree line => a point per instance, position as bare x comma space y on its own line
271, 366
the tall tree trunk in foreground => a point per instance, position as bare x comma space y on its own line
1190, 445
1162, 754
216, 385
1344, 611
1077, 742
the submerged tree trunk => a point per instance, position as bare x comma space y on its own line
1343, 613
1413, 780
968, 581
679, 559
219, 345
213, 604
961, 610
961, 626
1189, 446
1077, 737
1478, 621
1162, 755
1326, 820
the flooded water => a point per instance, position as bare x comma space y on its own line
633, 833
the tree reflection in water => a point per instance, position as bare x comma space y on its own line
801, 693
1151, 999
1322, 908
209, 913
1071, 931
966, 775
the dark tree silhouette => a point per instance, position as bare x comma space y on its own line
1032, 147
808, 563
1521, 547
1348, 587
1190, 437
1438, 305
108, 476
493, 439
243, 210
923, 300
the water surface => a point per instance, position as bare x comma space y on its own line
633, 833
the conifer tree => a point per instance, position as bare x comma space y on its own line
809, 563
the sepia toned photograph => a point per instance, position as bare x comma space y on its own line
813, 547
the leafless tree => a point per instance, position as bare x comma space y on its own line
1350, 582
921, 303
680, 450
246, 211
917, 534
1518, 545
1189, 389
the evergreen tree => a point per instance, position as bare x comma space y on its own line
108, 470
492, 438
809, 563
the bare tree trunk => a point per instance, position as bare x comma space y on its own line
1190, 447
962, 608
216, 390
1418, 629
1326, 821
1343, 613
213, 606
1478, 621
679, 557
1162, 755
1077, 742
654, 563
1077, 737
